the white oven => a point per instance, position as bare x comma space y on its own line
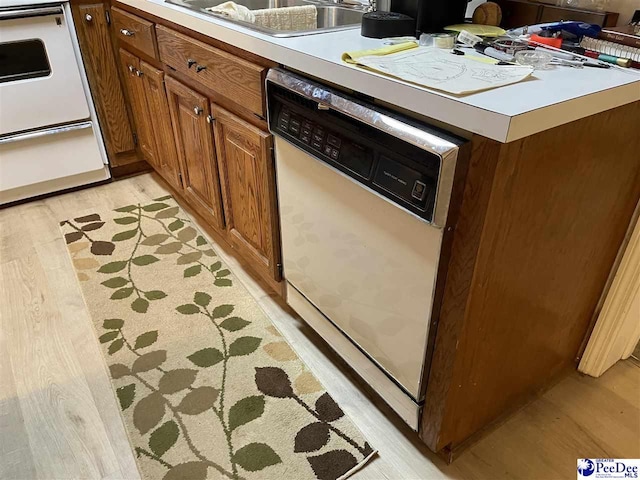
49, 135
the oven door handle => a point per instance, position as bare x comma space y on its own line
30, 12
44, 132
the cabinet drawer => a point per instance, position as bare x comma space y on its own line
234, 78
135, 31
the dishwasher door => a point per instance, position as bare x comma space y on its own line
367, 264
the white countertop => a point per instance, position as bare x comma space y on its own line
551, 98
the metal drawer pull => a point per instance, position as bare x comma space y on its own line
199, 68
127, 33
139, 73
210, 119
43, 133
191, 62
197, 110
131, 69
88, 17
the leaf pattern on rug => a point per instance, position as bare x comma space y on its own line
207, 386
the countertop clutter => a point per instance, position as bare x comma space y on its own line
549, 99
452, 249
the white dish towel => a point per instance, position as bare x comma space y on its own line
284, 19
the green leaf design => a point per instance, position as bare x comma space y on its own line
173, 226
107, 337
115, 346
143, 260
233, 324
189, 258
163, 198
246, 410
128, 208
169, 248
164, 438
146, 339
168, 213
175, 380
188, 309
149, 361
113, 323
125, 220
140, 305
155, 295
244, 346
188, 470
198, 400
255, 457
118, 370
115, 282
202, 299
210, 252
148, 412
156, 239
154, 207
207, 357
122, 293
223, 273
222, 311
112, 267
200, 241
222, 282
126, 235
192, 271
126, 395
216, 266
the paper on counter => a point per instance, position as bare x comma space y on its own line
439, 69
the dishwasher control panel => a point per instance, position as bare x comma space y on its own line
403, 173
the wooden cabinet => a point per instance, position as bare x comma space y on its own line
134, 31
247, 177
159, 118
137, 100
190, 117
517, 13
102, 71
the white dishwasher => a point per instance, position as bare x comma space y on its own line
364, 199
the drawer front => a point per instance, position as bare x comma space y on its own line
135, 31
234, 78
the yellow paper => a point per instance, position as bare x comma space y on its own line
352, 57
480, 30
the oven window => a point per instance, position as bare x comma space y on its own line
22, 60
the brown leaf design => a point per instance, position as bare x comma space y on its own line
148, 412
149, 361
187, 234
102, 248
306, 383
327, 409
94, 217
72, 237
175, 380
189, 258
280, 351
92, 226
85, 263
118, 370
311, 438
168, 213
169, 248
332, 465
274, 382
198, 400
189, 470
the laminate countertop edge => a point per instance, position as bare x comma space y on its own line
551, 98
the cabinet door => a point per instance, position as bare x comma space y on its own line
135, 87
196, 151
247, 177
102, 71
159, 116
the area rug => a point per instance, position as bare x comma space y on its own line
207, 386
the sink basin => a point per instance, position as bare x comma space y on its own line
332, 16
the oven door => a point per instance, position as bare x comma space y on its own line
40, 83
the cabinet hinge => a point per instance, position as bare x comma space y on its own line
280, 269
135, 139
107, 15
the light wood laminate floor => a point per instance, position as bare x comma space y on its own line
59, 418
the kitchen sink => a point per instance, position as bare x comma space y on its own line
332, 15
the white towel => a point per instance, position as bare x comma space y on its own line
288, 18
233, 11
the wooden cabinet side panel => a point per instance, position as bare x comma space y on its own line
195, 148
160, 120
248, 186
102, 71
559, 208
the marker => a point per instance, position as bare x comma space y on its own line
623, 62
489, 51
